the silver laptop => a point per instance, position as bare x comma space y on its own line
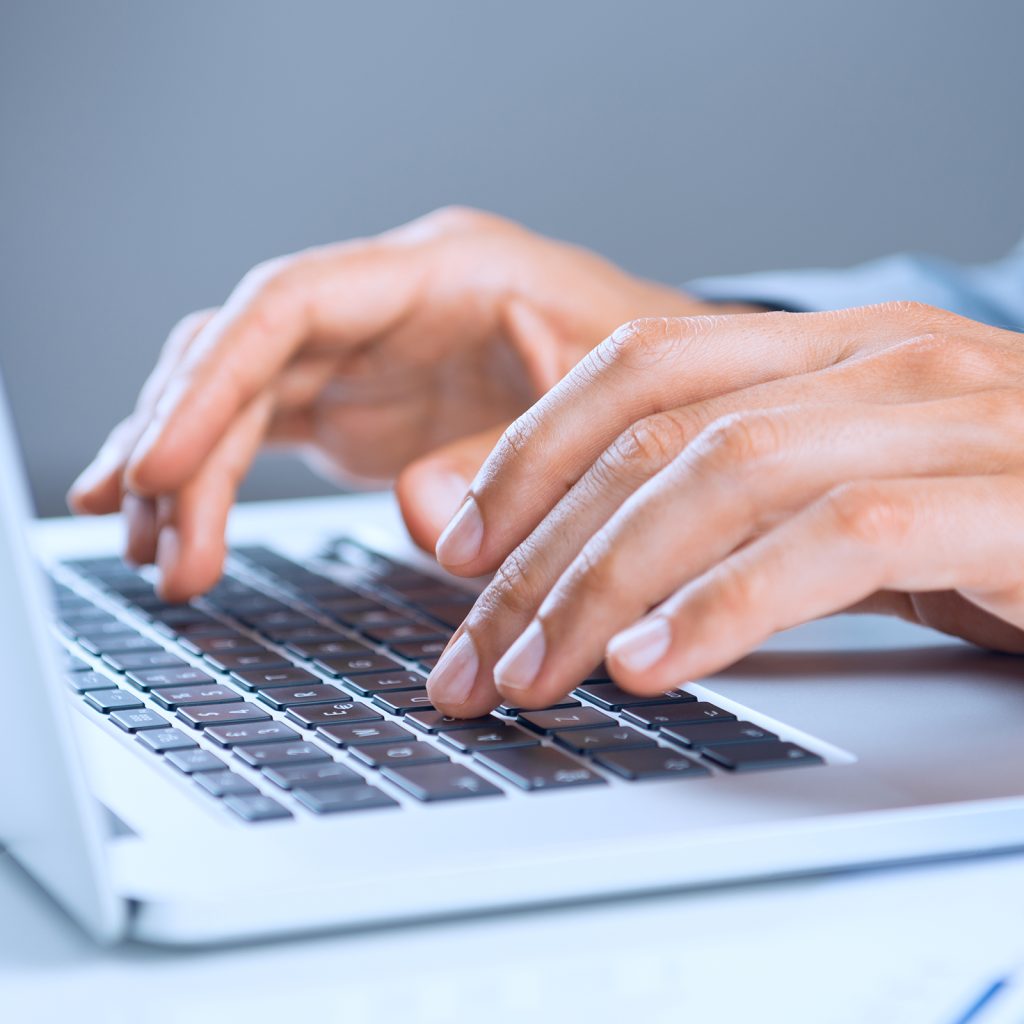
265, 760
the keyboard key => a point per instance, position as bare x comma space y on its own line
539, 768
406, 632
194, 760
173, 698
225, 783
282, 697
136, 661
112, 700
434, 722
421, 649
493, 737
256, 808
358, 664
511, 709
403, 702
205, 714
383, 682
612, 698
704, 734
83, 682
657, 715
310, 716
440, 782
254, 732
751, 757
272, 622
382, 616
138, 720
336, 647
118, 644
649, 763
271, 754
377, 755
152, 679
339, 799
450, 613
609, 737
264, 679
363, 733
310, 776
265, 661
561, 719
163, 740
229, 641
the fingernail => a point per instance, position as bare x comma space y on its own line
463, 536
441, 494
168, 548
641, 646
519, 667
452, 680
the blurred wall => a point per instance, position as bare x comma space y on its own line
151, 152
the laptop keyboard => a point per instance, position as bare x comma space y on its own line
286, 688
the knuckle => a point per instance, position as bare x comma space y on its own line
514, 588
869, 514
740, 440
737, 591
647, 341
647, 444
593, 572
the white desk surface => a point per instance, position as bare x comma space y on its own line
902, 945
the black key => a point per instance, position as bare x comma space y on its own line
493, 737
561, 719
317, 634
261, 679
421, 649
338, 647
310, 776
433, 721
163, 740
139, 661
657, 715
339, 799
404, 701
610, 737
138, 720
256, 808
650, 763
450, 613
384, 682
377, 755
751, 757
83, 682
282, 697
428, 664
440, 782
405, 632
339, 712
705, 734
253, 732
362, 733
182, 615
612, 698
118, 644
155, 678
112, 700
105, 629
225, 783
512, 709
262, 661
173, 698
427, 594
286, 618
271, 754
204, 714
357, 664
382, 616
229, 641
539, 768
341, 608
195, 760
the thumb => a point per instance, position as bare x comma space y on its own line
431, 489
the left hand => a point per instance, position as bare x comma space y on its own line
697, 484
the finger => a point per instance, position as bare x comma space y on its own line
644, 368
140, 529
99, 487
910, 535
736, 480
191, 545
430, 489
351, 293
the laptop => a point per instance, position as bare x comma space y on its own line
265, 761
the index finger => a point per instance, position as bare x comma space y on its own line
644, 368
344, 294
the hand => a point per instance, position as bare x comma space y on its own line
365, 355
695, 485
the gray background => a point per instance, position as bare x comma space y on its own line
151, 152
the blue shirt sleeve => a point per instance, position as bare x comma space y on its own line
992, 293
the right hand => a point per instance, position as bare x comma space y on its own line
402, 355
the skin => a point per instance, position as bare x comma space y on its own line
696, 484
401, 358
